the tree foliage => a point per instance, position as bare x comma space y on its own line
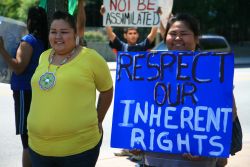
225, 17
16, 9
229, 18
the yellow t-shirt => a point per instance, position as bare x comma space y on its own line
63, 120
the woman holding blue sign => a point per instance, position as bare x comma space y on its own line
182, 32
23, 66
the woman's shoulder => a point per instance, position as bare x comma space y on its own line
31, 39
90, 53
91, 56
28, 37
88, 50
46, 53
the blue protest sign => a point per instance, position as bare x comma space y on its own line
174, 102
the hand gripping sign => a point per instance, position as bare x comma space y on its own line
174, 102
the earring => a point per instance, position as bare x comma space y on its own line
77, 40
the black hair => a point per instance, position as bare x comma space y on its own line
66, 17
125, 30
190, 21
37, 24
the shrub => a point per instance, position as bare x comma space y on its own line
94, 36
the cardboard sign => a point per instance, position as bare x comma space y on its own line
166, 8
174, 102
12, 32
131, 13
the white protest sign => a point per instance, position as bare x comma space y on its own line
131, 13
166, 8
12, 31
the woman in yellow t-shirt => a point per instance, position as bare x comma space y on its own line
64, 123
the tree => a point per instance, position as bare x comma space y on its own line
53, 5
225, 17
16, 9
93, 15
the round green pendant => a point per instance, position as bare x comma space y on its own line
47, 81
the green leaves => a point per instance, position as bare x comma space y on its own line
16, 9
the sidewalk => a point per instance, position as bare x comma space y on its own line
115, 162
241, 159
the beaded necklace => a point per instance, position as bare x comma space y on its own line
48, 79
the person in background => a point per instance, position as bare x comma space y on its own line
64, 123
23, 66
131, 36
182, 32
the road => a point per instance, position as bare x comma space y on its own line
10, 145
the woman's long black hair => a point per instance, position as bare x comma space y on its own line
37, 24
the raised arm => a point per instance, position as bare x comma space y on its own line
163, 27
162, 30
111, 35
153, 32
81, 18
151, 36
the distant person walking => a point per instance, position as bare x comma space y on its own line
23, 66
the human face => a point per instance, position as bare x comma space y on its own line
180, 37
62, 37
131, 36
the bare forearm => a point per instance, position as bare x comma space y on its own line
104, 101
23, 56
162, 30
12, 62
110, 33
81, 18
152, 34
